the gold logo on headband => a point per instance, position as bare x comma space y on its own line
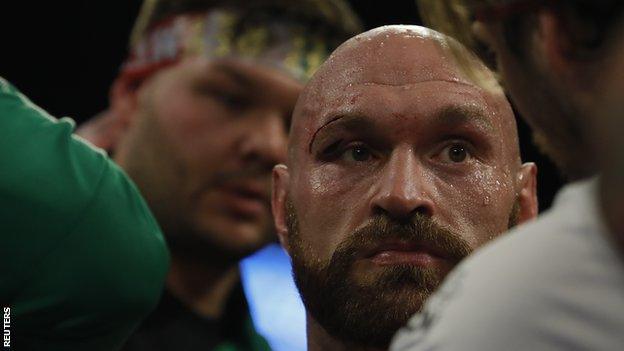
315, 57
225, 34
195, 44
253, 42
294, 59
284, 45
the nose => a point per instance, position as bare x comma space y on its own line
401, 190
265, 142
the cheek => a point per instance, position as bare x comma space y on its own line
331, 180
331, 205
195, 131
478, 205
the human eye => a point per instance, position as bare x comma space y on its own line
228, 97
455, 153
230, 100
355, 152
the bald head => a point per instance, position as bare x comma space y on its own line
400, 57
394, 55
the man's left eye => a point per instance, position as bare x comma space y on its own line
455, 153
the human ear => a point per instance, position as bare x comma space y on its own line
106, 128
279, 198
527, 192
123, 99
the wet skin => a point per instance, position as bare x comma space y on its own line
390, 127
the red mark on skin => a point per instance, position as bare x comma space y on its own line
354, 99
318, 130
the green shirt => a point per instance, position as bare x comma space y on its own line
82, 259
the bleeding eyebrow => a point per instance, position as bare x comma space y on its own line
343, 123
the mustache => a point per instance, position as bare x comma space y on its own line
420, 229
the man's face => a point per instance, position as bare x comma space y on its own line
201, 146
398, 168
542, 95
608, 124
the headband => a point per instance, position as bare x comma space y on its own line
285, 45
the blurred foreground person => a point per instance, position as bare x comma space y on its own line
198, 118
611, 109
399, 166
557, 283
83, 260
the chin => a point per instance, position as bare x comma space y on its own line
241, 238
228, 234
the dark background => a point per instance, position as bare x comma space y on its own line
64, 55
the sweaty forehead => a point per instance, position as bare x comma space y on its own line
399, 58
392, 56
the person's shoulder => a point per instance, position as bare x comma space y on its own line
74, 227
47, 179
43, 162
54, 178
119, 224
116, 247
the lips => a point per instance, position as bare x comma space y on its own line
246, 199
400, 253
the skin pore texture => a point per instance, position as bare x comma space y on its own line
201, 139
398, 167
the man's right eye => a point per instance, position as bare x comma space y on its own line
347, 152
357, 153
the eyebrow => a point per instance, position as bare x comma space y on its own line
462, 115
345, 122
235, 75
447, 116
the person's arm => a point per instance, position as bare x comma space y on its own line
105, 276
83, 258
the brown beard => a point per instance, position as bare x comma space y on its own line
369, 315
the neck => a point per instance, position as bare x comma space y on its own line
320, 340
203, 286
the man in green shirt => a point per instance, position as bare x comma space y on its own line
83, 261
198, 117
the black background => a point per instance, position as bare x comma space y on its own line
64, 55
